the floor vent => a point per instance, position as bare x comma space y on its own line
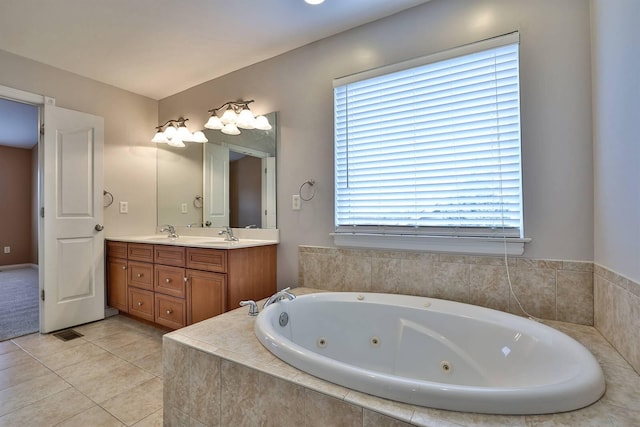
67, 335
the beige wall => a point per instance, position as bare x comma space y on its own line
15, 205
130, 159
556, 112
616, 115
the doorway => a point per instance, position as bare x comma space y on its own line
19, 273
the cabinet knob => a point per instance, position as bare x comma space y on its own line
169, 311
124, 267
139, 303
168, 280
186, 279
139, 275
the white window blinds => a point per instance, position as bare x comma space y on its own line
434, 148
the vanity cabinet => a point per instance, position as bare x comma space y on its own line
175, 286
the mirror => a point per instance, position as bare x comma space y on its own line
228, 181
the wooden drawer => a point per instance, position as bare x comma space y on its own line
140, 275
141, 304
170, 311
140, 252
169, 255
116, 249
169, 280
207, 259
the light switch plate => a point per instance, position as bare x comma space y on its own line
124, 207
295, 202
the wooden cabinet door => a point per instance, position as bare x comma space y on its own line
140, 275
141, 303
117, 284
206, 295
170, 311
169, 255
169, 280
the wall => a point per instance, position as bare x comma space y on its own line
129, 156
15, 209
556, 112
616, 110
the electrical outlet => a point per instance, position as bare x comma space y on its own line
295, 202
124, 207
7, 249
183, 208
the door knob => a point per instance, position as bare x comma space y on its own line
99, 227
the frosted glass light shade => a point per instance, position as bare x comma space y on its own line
245, 119
198, 136
214, 122
230, 129
160, 137
176, 142
228, 117
262, 123
170, 132
184, 134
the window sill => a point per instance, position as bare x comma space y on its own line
460, 245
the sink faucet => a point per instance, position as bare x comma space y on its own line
279, 296
171, 229
229, 234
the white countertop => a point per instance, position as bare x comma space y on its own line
195, 241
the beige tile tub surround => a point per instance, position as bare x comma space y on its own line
216, 373
548, 289
617, 312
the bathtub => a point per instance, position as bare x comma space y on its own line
431, 352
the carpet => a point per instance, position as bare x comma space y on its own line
19, 305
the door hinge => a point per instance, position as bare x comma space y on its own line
42, 212
42, 295
42, 130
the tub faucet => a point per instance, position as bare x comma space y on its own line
171, 229
253, 307
279, 296
229, 233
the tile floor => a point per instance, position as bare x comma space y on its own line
112, 376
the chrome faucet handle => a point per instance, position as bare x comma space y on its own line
253, 307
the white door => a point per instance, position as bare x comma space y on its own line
269, 192
216, 185
71, 243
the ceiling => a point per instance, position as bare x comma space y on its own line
157, 48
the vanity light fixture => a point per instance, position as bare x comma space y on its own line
175, 133
237, 116
314, 2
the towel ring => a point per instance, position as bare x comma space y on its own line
311, 184
110, 198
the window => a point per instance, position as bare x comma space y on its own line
431, 147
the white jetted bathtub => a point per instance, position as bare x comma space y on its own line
432, 352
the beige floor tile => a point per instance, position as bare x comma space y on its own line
28, 392
13, 358
71, 356
106, 385
120, 339
22, 372
151, 363
94, 417
41, 345
8, 347
49, 411
95, 366
137, 403
98, 330
153, 420
142, 347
